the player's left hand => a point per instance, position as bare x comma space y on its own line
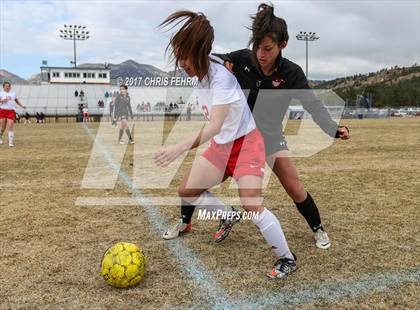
343, 132
167, 154
228, 65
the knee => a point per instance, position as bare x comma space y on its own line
296, 191
188, 193
253, 209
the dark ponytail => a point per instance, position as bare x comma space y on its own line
266, 24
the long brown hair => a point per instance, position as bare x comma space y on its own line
193, 40
266, 24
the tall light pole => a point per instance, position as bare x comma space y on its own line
75, 33
307, 36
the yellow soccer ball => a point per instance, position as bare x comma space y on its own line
123, 265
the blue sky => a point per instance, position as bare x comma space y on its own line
355, 36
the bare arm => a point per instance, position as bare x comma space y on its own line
18, 103
217, 117
168, 154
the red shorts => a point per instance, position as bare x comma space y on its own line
244, 156
10, 114
85, 114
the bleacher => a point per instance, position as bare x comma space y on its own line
59, 100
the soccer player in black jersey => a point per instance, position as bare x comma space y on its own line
264, 68
122, 106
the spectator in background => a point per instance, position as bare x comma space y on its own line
85, 114
112, 112
139, 108
39, 117
76, 93
17, 117
27, 120
180, 101
189, 112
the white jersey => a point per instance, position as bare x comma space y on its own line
10, 104
220, 87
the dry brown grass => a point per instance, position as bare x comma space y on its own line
367, 190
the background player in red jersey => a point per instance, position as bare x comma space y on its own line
8, 101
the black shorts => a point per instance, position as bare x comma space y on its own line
274, 143
121, 117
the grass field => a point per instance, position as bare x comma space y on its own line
367, 190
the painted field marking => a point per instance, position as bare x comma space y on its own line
203, 279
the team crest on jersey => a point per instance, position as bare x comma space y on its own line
278, 82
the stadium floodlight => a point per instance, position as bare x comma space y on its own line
307, 37
72, 33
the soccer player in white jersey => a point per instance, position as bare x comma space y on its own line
237, 147
8, 101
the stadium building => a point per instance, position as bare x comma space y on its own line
74, 75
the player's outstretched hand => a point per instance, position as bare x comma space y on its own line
228, 65
167, 154
343, 132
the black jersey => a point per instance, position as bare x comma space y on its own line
122, 106
270, 106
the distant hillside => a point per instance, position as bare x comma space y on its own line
10, 77
129, 68
393, 87
35, 79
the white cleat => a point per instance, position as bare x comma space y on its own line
131, 142
121, 142
11, 144
177, 229
1, 140
321, 239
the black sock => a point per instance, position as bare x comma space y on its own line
310, 212
120, 134
187, 211
127, 131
